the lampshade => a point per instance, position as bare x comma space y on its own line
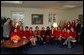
55, 25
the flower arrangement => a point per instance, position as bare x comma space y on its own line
15, 38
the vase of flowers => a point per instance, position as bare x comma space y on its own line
15, 38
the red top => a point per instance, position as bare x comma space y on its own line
31, 33
54, 33
36, 32
42, 32
73, 34
20, 33
13, 33
65, 34
69, 26
59, 33
26, 33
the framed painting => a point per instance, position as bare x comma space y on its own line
37, 19
18, 17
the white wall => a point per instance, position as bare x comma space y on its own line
60, 14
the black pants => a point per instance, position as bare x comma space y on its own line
52, 41
6, 38
60, 42
39, 41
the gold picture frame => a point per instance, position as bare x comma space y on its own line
37, 19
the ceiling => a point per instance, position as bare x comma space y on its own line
44, 4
